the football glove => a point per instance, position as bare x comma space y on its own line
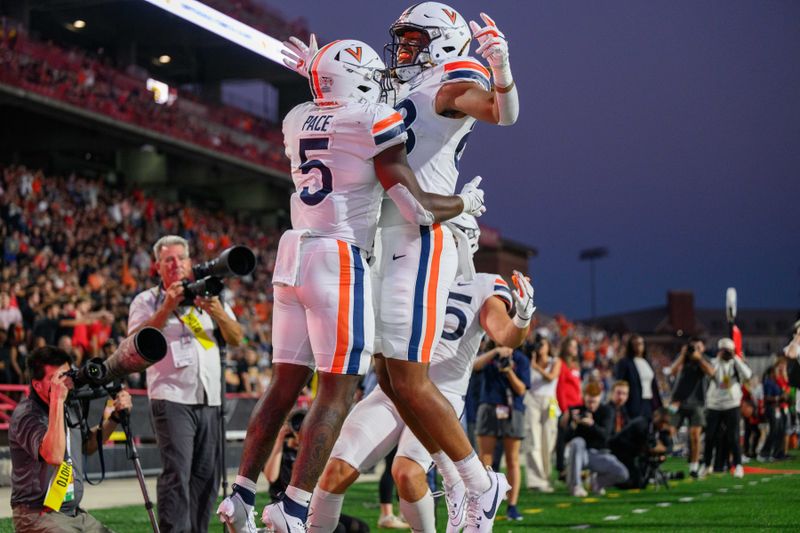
492, 44
298, 55
472, 197
523, 299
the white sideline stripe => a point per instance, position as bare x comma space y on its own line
663, 504
612, 517
686, 499
640, 511
581, 526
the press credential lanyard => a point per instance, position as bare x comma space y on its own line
62, 486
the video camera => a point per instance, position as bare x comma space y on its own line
235, 261
99, 377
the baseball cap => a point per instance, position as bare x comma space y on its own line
726, 344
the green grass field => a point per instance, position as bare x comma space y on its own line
759, 502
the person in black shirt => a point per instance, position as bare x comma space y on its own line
587, 431
47, 327
689, 396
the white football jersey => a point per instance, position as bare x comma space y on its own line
451, 363
435, 142
331, 149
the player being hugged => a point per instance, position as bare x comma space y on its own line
346, 148
480, 305
440, 91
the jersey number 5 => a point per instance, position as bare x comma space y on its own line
309, 145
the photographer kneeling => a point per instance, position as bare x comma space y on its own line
587, 431
47, 450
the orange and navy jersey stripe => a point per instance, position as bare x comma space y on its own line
313, 75
423, 322
350, 317
388, 128
467, 71
502, 291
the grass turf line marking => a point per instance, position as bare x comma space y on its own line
753, 483
590, 500
686, 499
613, 495
706, 495
663, 504
612, 517
640, 511
563, 505
738, 487
532, 511
723, 490
581, 526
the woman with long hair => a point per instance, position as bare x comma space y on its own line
635, 368
541, 412
568, 390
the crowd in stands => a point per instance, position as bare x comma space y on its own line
92, 83
75, 251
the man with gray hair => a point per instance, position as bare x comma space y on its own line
184, 387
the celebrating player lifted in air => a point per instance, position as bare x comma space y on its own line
374, 427
441, 92
345, 148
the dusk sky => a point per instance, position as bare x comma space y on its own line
668, 132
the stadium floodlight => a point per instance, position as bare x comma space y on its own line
226, 27
164, 59
79, 24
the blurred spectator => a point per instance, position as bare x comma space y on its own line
723, 399
541, 410
501, 411
568, 392
776, 412
688, 396
635, 368
9, 314
249, 373
587, 429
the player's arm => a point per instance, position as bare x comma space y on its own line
494, 314
498, 106
416, 205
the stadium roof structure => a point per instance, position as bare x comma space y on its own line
138, 32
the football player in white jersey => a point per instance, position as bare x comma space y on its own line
441, 92
375, 426
345, 149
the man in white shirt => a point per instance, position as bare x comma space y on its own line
184, 387
723, 398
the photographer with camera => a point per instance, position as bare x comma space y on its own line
689, 394
47, 449
185, 386
723, 399
587, 430
501, 411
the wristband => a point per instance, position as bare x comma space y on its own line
520, 322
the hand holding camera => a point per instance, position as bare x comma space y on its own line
123, 402
60, 385
503, 359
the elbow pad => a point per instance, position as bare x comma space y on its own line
409, 207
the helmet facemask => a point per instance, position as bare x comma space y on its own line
418, 48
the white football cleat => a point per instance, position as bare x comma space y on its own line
482, 508
738, 472
456, 498
278, 520
237, 515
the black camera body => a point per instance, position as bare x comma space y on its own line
235, 261
502, 362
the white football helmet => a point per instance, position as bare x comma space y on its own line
448, 36
468, 224
346, 69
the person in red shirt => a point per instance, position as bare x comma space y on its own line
568, 391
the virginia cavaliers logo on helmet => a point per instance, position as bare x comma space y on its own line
355, 52
451, 14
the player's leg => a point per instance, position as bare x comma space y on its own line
292, 369
416, 500
336, 293
371, 430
